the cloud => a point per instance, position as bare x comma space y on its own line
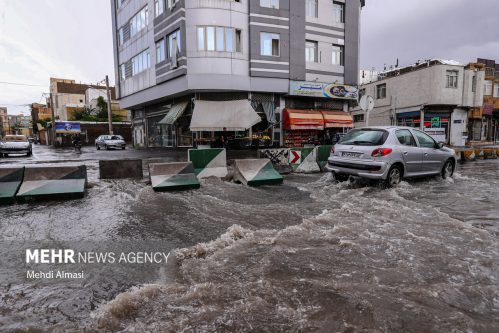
412, 30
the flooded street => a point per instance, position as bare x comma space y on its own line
308, 256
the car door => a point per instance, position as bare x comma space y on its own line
411, 153
432, 157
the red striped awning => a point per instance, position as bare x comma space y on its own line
337, 119
303, 120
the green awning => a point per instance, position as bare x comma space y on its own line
174, 113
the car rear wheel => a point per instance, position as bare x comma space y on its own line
394, 176
340, 177
123, 148
448, 169
29, 153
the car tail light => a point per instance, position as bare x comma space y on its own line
332, 149
380, 152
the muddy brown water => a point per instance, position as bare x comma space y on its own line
308, 256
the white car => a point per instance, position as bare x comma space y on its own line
15, 144
110, 141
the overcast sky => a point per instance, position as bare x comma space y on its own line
72, 39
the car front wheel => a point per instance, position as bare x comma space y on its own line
448, 169
394, 177
97, 146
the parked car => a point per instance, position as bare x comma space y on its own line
15, 144
390, 154
110, 141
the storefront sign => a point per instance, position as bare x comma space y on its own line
67, 127
318, 89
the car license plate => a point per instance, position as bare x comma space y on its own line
352, 155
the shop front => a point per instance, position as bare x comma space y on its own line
170, 128
314, 127
436, 123
227, 124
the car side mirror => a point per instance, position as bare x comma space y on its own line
440, 145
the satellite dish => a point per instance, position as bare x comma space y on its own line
366, 103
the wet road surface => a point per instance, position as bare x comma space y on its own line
308, 256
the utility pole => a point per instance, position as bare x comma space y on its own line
53, 118
109, 113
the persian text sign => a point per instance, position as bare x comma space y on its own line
318, 89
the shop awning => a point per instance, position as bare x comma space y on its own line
174, 113
303, 120
220, 116
337, 119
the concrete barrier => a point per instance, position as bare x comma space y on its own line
304, 160
323, 153
478, 153
489, 153
209, 162
173, 176
279, 159
256, 172
120, 169
469, 155
64, 182
10, 181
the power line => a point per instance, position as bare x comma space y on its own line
22, 84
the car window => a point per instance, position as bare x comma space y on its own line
425, 140
116, 137
405, 138
365, 137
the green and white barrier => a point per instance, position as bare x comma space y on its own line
66, 182
256, 172
279, 158
304, 160
323, 153
10, 181
173, 176
209, 162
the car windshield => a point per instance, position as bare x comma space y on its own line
116, 137
16, 138
365, 137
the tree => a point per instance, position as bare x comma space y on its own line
102, 108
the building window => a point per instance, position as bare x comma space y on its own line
119, 3
172, 3
358, 118
238, 40
139, 21
311, 8
381, 91
141, 62
269, 3
121, 39
160, 51
452, 77
338, 55
221, 39
338, 12
123, 71
159, 7
487, 88
496, 90
311, 51
270, 44
173, 43
473, 83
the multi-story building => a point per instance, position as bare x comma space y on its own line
434, 95
69, 96
279, 69
4, 121
485, 123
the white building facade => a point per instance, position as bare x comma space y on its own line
434, 96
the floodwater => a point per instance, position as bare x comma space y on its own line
307, 256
